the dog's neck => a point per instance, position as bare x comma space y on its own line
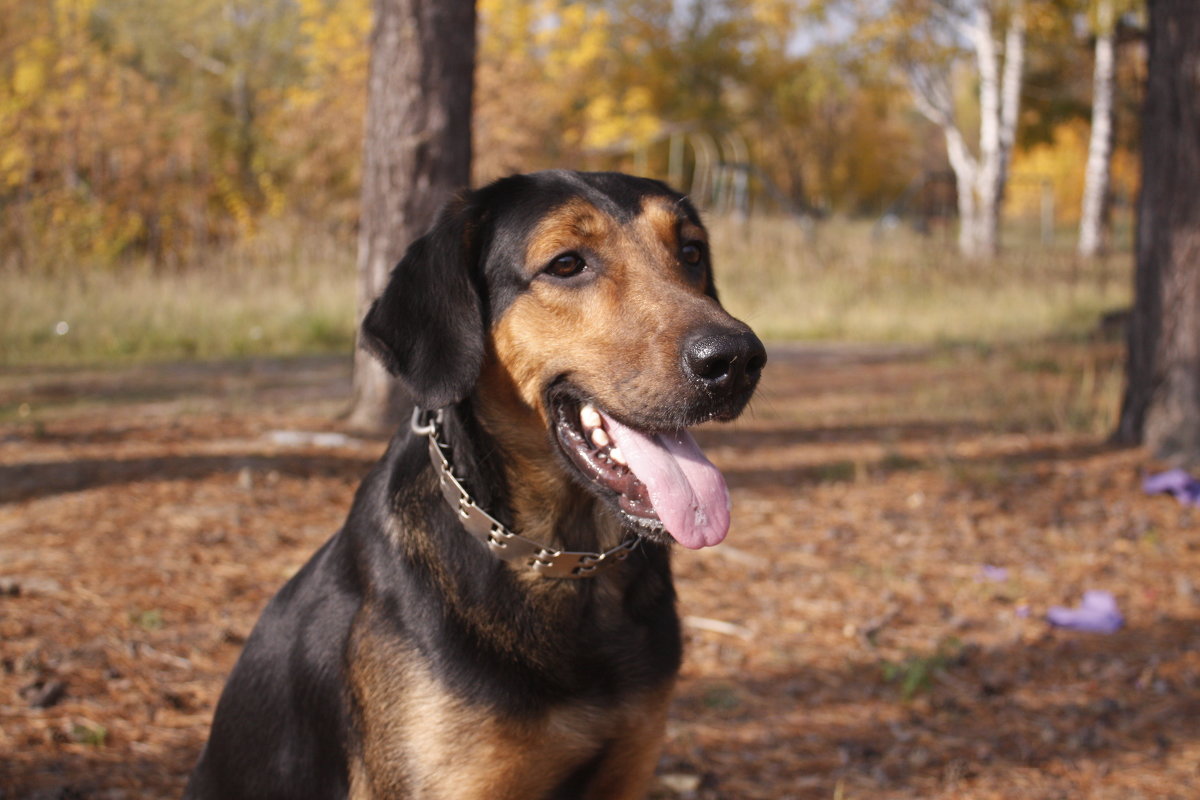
513, 607
507, 452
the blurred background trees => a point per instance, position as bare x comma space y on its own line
934, 39
164, 130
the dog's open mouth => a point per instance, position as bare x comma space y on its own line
658, 480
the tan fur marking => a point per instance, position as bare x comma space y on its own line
360, 781
539, 491
576, 223
628, 769
660, 220
422, 743
616, 338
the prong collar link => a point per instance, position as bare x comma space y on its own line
503, 543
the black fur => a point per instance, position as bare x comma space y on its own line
427, 326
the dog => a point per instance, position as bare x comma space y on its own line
496, 619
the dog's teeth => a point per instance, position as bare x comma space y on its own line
600, 438
617, 456
589, 416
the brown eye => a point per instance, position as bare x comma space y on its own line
566, 266
691, 253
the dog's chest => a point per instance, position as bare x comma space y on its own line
420, 741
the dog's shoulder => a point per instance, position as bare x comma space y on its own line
290, 681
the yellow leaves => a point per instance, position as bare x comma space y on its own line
544, 83
92, 159
773, 14
14, 163
28, 79
573, 37
72, 13
504, 24
1046, 20
591, 42
335, 36
276, 199
774, 22
314, 132
33, 64
125, 119
627, 120
71, 225
1062, 162
235, 203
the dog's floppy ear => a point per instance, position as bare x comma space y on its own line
427, 325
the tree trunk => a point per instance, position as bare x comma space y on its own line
1095, 188
999, 109
1010, 102
966, 175
981, 180
417, 152
987, 59
1161, 406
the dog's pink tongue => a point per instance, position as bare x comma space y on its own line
688, 493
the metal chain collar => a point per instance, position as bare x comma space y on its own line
503, 543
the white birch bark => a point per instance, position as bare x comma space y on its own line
981, 179
931, 93
1096, 176
987, 62
1010, 95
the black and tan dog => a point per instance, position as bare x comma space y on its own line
496, 619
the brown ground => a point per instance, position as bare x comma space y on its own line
844, 643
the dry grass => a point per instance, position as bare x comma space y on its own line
279, 293
847, 281
287, 291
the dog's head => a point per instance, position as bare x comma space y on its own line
580, 309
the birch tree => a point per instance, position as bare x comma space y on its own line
1095, 187
981, 174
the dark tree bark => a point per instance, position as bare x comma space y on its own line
1162, 397
417, 153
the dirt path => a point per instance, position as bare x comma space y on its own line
873, 628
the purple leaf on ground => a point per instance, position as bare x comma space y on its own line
1176, 482
993, 573
1097, 613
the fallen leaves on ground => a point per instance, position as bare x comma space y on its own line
874, 626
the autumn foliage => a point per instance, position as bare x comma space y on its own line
164, 128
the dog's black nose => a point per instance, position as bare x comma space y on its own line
724, 360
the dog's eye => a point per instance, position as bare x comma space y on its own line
691, 253
566, 266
